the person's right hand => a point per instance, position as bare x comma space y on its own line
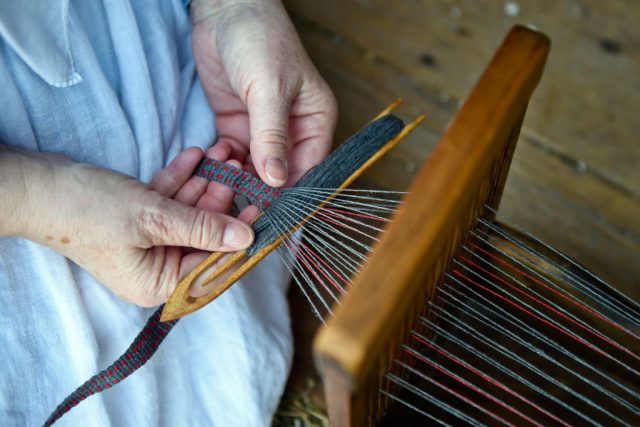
127, 234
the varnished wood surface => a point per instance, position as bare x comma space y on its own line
465, 171
575, 179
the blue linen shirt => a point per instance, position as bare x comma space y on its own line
113, 83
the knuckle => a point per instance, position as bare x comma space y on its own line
275, 138
331, 105
153, 223
205, 230
274, 83
283, 84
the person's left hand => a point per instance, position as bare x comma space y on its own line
271, 104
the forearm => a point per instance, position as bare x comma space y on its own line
13, 189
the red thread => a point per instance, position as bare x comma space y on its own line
468, 385
319, 258
559, 313
545, 321
357, 214
555, 291
306, 264
489, 379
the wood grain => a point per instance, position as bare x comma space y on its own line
589, 100
575, 179
466, 170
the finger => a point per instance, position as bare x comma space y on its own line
238, 149
175, 267
196, 186
234, 126
168, 222
191, 261
249, 214
170, 179
269, 124
312, 132
306, 155
248, 165
221, 150
218, 197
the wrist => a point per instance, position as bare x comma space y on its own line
27, 182
203, 9
12, 191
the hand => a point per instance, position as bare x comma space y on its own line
271, 105
130, 236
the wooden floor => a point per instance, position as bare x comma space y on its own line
575, 178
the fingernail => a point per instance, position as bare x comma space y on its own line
237, 236
276, 170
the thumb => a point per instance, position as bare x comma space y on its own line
172, 223
269, 123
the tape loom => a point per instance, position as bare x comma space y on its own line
461, 320
451, 318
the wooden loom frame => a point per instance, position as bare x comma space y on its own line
466, 171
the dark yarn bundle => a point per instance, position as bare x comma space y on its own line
328, 175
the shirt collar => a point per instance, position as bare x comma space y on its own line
38, 31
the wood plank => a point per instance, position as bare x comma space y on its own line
587, 104
572, 208
578, 215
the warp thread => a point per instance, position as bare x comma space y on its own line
330, 174
343, 162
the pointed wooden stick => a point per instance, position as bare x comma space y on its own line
395, 104
181, 302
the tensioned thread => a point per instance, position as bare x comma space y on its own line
330, 174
